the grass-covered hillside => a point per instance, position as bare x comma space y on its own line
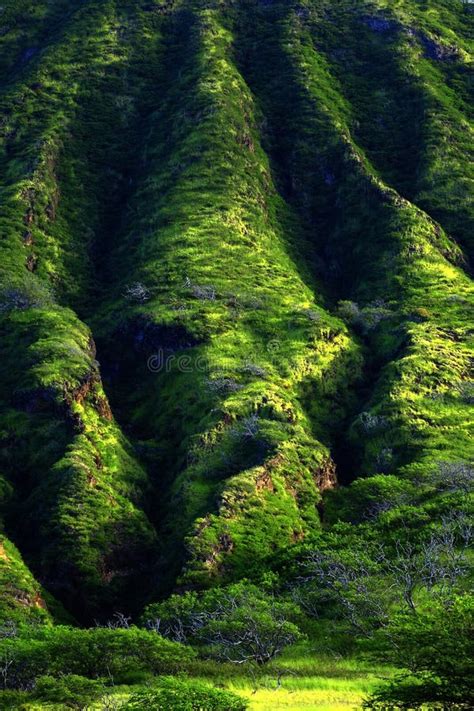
236, 345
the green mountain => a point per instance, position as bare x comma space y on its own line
236, 290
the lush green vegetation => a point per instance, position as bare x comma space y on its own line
236, 350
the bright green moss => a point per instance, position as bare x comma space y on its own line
215, 260
391, 256
258, 211
21, 597
79, 486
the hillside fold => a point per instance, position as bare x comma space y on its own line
235, 273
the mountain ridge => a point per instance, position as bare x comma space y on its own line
206, 180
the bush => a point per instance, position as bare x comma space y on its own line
364, 319
348, 311
238, 623
371, 423
452, 477
71, 691
466, 392
436, 647
183, 695
92, 653
137, 292
24, 294
13, 700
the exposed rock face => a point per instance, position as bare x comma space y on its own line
326, 476
438, 51
380, 24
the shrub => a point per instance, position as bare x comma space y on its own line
371, 316
436, 647
253, 369
348, 311
92, 653
13, 700
240, 623
204, 293
452, 477
371, 423
365, 319
248, 428
313, 315
466, 392
25, 294
183, 695
137, 292
222, 386
71, 691
384, 460
23, 660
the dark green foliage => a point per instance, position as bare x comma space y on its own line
183, 695
234, 269
93, 653
71, 691
14, 700
436, 647
239, 623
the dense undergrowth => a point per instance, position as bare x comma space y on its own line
235, 272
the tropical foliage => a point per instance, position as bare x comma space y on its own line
236, 345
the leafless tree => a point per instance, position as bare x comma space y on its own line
119, 621
366, 587
435, 565
7, 660
354, 584
175, 629
453, 477
236, 627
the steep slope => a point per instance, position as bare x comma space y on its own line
405, 75
235, 244
78, 484
230, 315
410, 298
22, 598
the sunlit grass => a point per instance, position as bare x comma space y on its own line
299, 679
306, 692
